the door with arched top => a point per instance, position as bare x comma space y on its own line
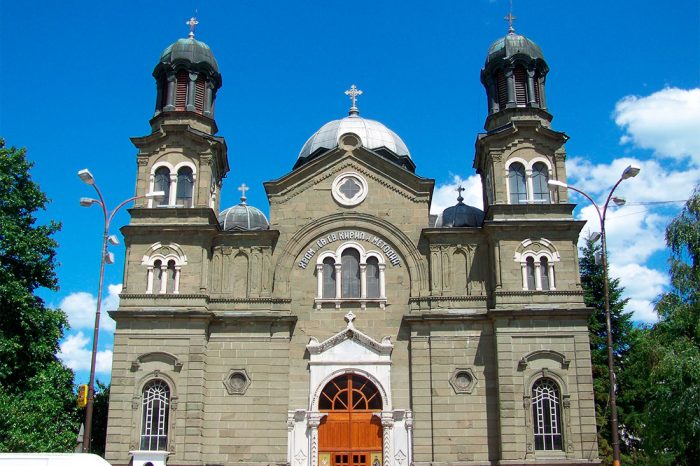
350, 434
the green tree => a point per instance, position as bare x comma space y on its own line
668, 356
592, 282
37, 409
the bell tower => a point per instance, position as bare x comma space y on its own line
520, 152
182, 156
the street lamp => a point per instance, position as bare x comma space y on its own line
106, 257
629, 172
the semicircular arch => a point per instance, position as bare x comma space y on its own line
303, 239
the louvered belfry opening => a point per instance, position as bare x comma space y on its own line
182, 79
502, 89
199, 89
520, 76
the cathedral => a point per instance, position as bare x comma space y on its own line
351, 328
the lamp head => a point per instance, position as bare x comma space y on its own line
109, 258
88, 201
619, 201
557, 183
86, 176
155, 195
630, 172
595, 236
113, 240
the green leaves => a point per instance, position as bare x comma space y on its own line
37, 403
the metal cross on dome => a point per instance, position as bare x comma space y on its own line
243, 188
510, 18
192, 23
353, 93
459, 195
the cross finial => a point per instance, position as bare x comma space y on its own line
192, 23
353, 93
350, 318
459, 195
510, 18
243, 188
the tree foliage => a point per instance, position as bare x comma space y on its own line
667, 358
592, 282
36, 391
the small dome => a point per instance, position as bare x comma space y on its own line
243, 217
372, 133
513, 44
460, 215
189, 50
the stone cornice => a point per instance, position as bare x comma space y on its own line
445, 315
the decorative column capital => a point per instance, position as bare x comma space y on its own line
314, 419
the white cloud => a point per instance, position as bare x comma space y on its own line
666, 122
81, 306
643, 285
74, 353
445, 195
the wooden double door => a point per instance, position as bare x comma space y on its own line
350, 434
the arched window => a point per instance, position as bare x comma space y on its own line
520, 76
328, 278
502, 89
540, 188
372, 277
160, 276
185, 182
171, 273
154, 420
161, 182
544, 273
546, 415
530, 268
350, 392
350, 273
517, 184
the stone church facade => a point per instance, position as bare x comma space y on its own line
352, 329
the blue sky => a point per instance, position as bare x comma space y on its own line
624, 84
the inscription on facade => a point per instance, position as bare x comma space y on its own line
351, 235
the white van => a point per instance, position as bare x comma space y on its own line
51, 459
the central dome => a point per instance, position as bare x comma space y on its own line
373, 134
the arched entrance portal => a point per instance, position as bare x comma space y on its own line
350, 434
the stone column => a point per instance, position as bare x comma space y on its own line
409, 433
172, 192
176, 287
538, 275
149, 279
314, 420
523, 267
163, 278
363, 281
510, 80
531, 87
190, 92
551, 276
170, 96
338, 280
319, 281
387, 419
382, 281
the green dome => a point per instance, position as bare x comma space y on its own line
189, 50
513, 44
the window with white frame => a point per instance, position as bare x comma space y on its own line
154, 419
177, 184
350, 274
537, 259
528, 182
517, 183
163, 268
546, 415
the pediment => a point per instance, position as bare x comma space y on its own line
361, 160
349, 342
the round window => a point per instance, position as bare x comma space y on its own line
349, 189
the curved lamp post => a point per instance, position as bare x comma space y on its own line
105, 258
629, 172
